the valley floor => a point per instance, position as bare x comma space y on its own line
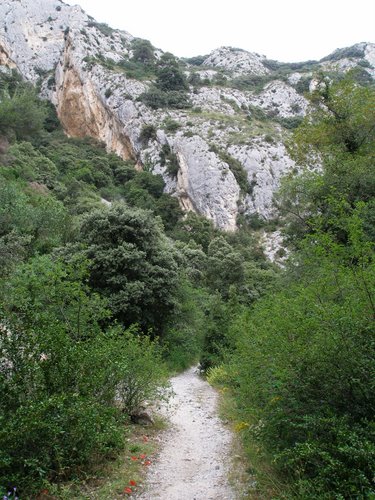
194, 459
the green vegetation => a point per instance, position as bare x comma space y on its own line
96, 300
71, 376
62, 375
300, 363
143, 51
284, 68
21, 114
169, 160
155, 99
171, 125
102, 27
338, 54
99, 302
236, 168
253, 83
170, 88
148, 133
197, 60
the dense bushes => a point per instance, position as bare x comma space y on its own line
70, 377
170, 89
296, 348
302, 370
21, 113
156, 98
132, 264
65, 383
307, 389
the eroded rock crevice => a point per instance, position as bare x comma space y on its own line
82, 111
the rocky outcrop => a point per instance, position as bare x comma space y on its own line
237, 61
34, 32
79, 66
5, 59
370, 57
343, 60
280, 99
206, 183
265, 164
82, 110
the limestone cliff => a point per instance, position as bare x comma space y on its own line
242, 106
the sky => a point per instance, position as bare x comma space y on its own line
285, 30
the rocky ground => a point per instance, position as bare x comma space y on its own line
194, 459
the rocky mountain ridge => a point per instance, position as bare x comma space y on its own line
220, 150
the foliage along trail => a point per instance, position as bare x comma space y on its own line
194, 457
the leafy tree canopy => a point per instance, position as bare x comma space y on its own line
132, 264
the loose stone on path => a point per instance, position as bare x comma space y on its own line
193, 463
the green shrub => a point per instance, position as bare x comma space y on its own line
148, 133
355, 52
177, 99
171, 78
142, 280
196, 61
195, 80
143, 51
257, 113
136, 69
169, 160
31, 165
236, 168
304, 361
290, 123
303, 85
255, 83
154, 98
171, 125
336, 458
141, 374
168, 208
183, 339
50, 437
65, 384
102, 27
22, 115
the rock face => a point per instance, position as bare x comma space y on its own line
79, 65
237, 61
206, 182
280, 99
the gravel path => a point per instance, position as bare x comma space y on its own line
194, 455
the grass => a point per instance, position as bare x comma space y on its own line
251, 473
249, 128
110, 480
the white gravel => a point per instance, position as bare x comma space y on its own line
195, 453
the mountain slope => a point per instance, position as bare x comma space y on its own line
218, 142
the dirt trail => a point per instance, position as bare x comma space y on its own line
194, 456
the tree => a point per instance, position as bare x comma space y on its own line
195, 227
22, 115
225, 266
30, 222
65, 384
305, 355
340, 136
31, 165
143, 51
304, 367
132, 264
171, 78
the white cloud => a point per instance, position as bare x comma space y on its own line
286, 30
